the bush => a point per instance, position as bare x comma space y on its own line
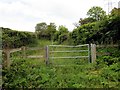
16, 39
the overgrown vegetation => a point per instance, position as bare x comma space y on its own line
15, 39
104, 31
33, 73
96, 28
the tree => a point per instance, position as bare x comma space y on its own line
86, 21
73, 37
63, 37
51, 29
40, 27
62, 29
45, 31
62, 34
96, 13
115, 12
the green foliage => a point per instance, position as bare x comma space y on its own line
86, 21
104, 31
24, 74
73, 37
40, 27
0, 38
32, 73
62, 34
83, 33
115, 12
63, 37
15, 39
109, 60
108, 32
62, 29
49, 32
96, 13
45, 31
111, 73
112, 56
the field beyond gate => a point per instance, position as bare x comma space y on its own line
54, 54
64, 55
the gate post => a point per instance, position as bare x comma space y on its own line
89, 57
93, 53
47, 55
23, 48
7, 58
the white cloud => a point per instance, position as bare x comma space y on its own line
119, 4
25, 14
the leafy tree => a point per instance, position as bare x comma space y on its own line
96, 13
115, 12
86, 21
40, 30
62, 29
113, 29
45, 31
40, 27
73, 36
56, 36
108, 29
51, 29
85, 31
62, 34
63, 37
97, 28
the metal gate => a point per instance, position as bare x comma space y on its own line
67, 52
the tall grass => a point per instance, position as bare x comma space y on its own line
66, 57
75, 73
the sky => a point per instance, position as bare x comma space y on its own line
23, 15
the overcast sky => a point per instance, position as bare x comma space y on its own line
23, 15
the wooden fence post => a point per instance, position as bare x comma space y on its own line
23, 48
111, 41
47, 55
7, 58
89, 53
93, 53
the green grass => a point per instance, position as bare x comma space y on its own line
67, 61
42, 52
61, 73
43, 43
